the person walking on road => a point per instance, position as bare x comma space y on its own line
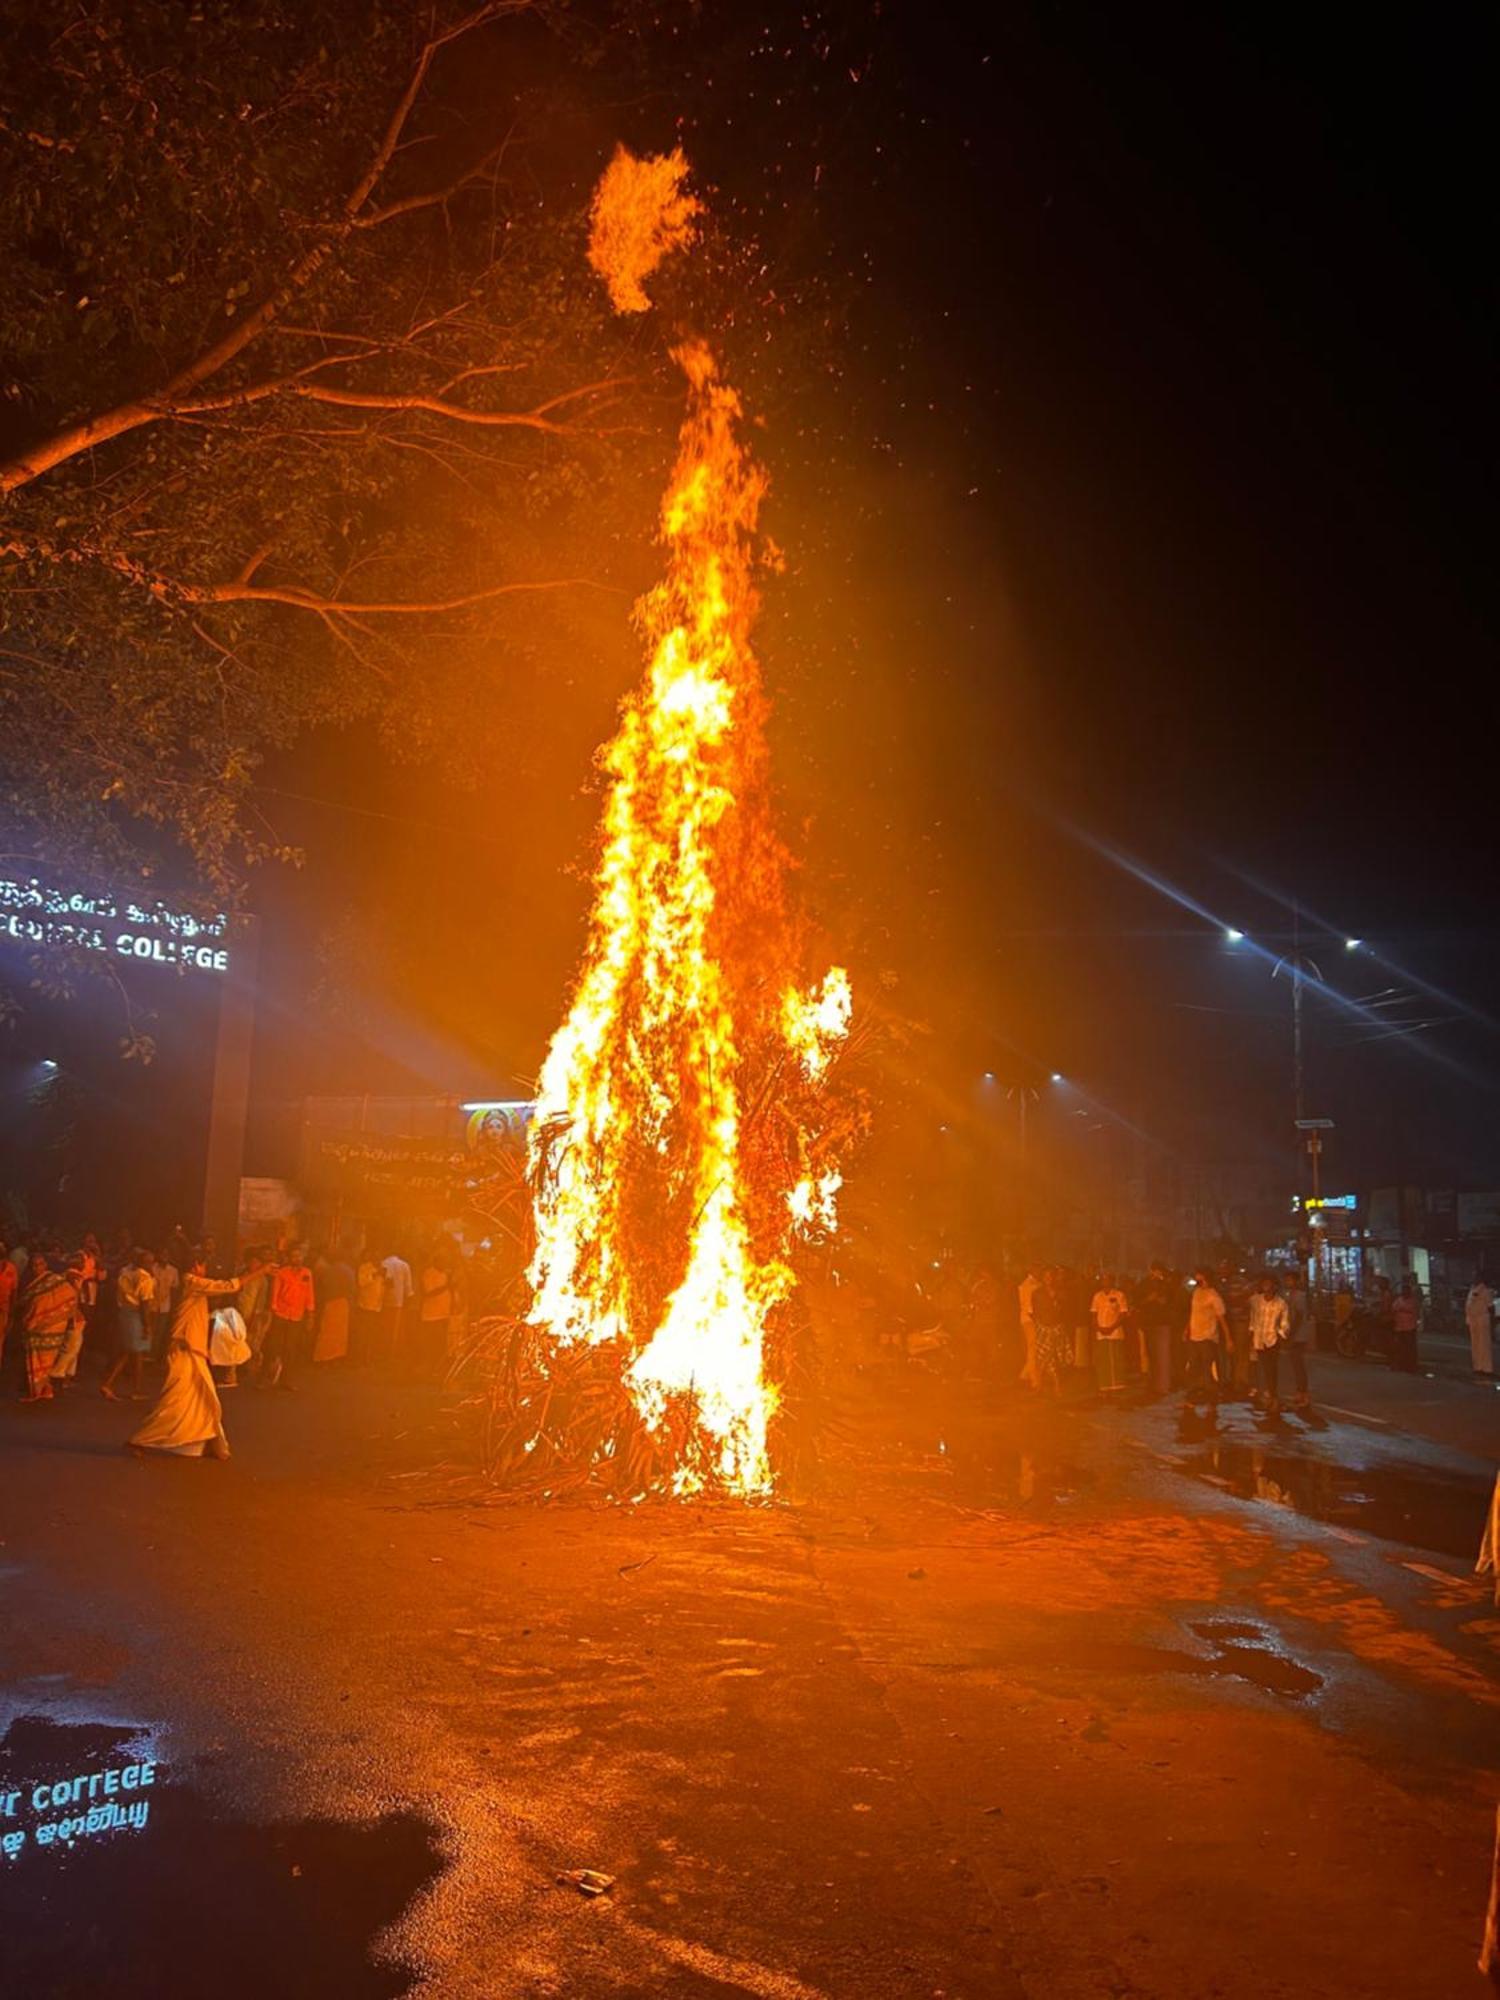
135, 1296
292, 1305
1207, 1339
187, 1418
1269, 1326
1479, 1318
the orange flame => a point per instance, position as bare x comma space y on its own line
641, 1136
639, 215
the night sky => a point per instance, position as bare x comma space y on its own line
1125, 403
1125, 386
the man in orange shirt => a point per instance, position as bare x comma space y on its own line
292, 1304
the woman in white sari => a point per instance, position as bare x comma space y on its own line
187, 1418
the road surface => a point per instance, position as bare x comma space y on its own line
1023, 1704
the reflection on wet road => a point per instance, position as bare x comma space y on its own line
1293, 1465
118, 1883
1418, 1505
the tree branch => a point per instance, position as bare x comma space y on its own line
338, 607
131, 415
538, 418
435, 199
242, 590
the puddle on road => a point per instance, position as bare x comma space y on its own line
1421, 1507
978, 1472
1256, 1659
116, 1878
1241, 1651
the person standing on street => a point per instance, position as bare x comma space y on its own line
435, 1313
255, 1303
1157, 1316
1207, 1337
65, 1368
1406, 1323
90, 1265
1054, 1339
369, 1309
1026, 1293
333, 1280
1299, 1334
49, 1306
1236, 1291
1479, 1318
1269, 1325
168, 1277
398, 1290
1107, 1309
292, 1304
135, 1295
9, 1280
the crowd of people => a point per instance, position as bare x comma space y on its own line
126, 1309
1219, 1333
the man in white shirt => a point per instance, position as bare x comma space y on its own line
397, 1295
1108, 1309
1109, 1306
1270, 1323
1207, 1331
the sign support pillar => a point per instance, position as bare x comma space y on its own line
230, 1104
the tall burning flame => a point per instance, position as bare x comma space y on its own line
664, 1208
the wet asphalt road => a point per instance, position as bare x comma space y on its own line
1022, 1703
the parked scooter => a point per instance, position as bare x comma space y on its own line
1365, 1331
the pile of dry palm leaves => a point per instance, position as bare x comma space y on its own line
553, 1421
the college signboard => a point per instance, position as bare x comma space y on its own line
34, 913
374, 1173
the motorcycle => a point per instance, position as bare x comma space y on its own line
1365, 1331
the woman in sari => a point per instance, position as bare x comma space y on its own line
187, 1418
48, 1305
333, 1282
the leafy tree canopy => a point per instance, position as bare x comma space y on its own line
304, 384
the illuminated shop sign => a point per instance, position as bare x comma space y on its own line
1313, 1202
33, 913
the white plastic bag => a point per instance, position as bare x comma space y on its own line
228, 1346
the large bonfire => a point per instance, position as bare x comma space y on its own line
678, 1148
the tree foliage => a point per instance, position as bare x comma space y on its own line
303, 387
